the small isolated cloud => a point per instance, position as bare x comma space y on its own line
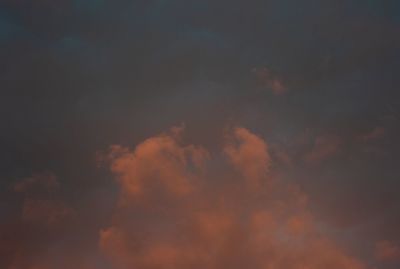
40, 206
374, 134
269, 80
46, 181
39, 236
387, 251
46, 212
196, 217
324, 147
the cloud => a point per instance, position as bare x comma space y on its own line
39, 206
48, 213
157, 163
281, 155
42, 181
267, 79
249, 154
387, 251
324, 147
210, 218
38, 236
376, 133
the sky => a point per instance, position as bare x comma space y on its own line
199, 134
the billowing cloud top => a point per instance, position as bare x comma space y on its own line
176, 213
311, 182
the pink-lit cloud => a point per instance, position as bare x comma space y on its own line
196, 218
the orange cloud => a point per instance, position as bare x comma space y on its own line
157, 163
387, 251
214, 223
249, 154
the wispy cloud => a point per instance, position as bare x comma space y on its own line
386, 250
324, 147
269, 80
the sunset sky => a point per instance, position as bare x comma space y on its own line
172, 134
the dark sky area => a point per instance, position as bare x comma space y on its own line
199, 134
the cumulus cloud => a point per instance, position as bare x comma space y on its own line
249, 154
157, 163
241, 217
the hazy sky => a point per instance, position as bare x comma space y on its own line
199, 134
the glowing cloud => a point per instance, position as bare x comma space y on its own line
200, 218
157, 163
